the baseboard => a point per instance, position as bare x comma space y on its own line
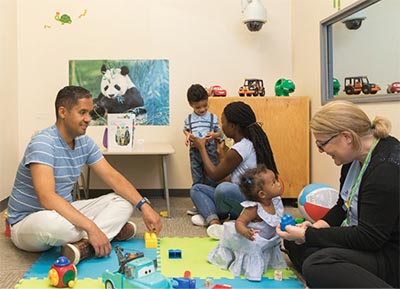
3, 204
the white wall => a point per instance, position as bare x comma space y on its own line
204, 41
307, 15
8, 97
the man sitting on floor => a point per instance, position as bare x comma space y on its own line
41, 211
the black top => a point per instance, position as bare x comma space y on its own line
378, 212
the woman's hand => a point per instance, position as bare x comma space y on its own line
209, 136
198, 142
187, 139
292, 233
305, 224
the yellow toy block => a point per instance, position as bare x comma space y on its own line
150, 240
164, 214
7, 230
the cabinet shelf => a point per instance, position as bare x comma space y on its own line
286, 122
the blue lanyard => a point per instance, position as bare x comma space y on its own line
356, 185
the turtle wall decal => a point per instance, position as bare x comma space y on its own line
64, 18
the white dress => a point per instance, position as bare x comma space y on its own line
251, 258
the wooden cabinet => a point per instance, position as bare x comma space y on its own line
286, 122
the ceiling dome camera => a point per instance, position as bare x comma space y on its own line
254, 14
254, 25
353, 22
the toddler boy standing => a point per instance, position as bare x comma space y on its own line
203, 124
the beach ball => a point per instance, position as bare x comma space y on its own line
315, 200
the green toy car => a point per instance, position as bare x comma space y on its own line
135, 271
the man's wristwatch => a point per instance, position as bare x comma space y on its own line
142, 202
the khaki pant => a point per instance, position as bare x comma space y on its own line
43, 229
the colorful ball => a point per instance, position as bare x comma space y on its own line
315, 200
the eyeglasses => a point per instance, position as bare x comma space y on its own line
321, 145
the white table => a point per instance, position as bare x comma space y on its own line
146, 149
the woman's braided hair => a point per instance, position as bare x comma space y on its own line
242, 115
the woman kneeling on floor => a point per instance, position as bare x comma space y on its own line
251, 147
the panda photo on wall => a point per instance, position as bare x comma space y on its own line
118, 94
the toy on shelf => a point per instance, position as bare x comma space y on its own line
356, 84
394, 87
336, 86
252, 87
62, 273
216, 90
150, 240
135, 271
315, 200
175, 254
284, 86
287, 220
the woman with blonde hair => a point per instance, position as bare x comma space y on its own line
356, 244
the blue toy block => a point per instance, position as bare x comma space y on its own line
175, 254
287, 220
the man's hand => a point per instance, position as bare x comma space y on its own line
99, 241
151, 219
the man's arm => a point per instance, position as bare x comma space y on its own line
44, 185
125, 189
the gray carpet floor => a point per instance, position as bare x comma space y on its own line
14, 263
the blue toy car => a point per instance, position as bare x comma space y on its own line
184, 283
135, 271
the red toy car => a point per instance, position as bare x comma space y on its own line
216, 90
394, 87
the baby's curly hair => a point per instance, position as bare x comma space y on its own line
251, 182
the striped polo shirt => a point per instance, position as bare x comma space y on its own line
49, 148
200, 125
